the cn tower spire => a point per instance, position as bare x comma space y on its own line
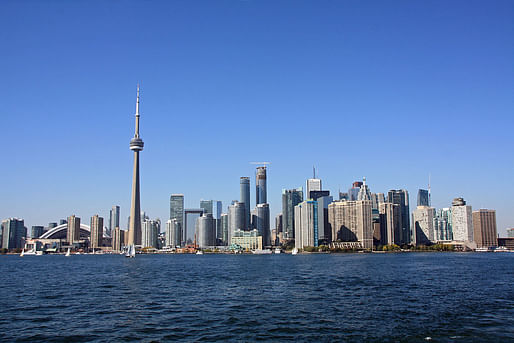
137, 113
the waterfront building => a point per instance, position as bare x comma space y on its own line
36, 231
117, 239
390, 223
236, 218
462, 221
73, 230
244, 185
290, 198
401, 198
136, 145
353, 193
507, 242
205, 232
351, 221
443, 225
510, 233
13, 233
364, 192
150, 232
177, 213
173, 234
306, 224
423, 222
114, 218
324, 230
262, 223
260, 186
423, 197
484, 227
224, 228
97, 231
246, 240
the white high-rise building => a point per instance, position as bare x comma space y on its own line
306, 224
423, 225
173, 233
462, 221
150, 233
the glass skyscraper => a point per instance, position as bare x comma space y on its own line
177, 212
290, 198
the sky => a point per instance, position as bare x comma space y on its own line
391, 90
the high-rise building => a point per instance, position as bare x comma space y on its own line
260, 186
117, 239
423, 197
390, 223
236, 218
462, 221
114, 218
315, 195
262, 223
510, 233
36, 231
324, 230
190, 217
136, 145
224, 228
351, 221
401, 198
13, 233
150, 232
173, 233
313, 184
306, 224
206, 205
364, 192
73, 230
423, 222
177, 213
213, 207
278, 228
443, 225
97, 230
353, 193
205, 231
290, 198
376, 200
484, 227
245, 197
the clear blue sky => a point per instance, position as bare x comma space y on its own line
390, 90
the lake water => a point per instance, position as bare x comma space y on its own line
436, 297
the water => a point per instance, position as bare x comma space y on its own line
436, 297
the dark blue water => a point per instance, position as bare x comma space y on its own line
436, 297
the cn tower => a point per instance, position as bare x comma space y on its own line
136, 145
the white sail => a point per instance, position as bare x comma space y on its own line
131, 251
22, 252
67, 252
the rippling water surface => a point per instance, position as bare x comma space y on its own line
437, 297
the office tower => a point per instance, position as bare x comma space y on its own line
443, 225
423, 225
114, 218
236, 218
364, 192
315, 195
173, 233
462, 221
136, 145
278, 229
177, 212
13, 233
376, 200
351, 221
390, 223
116, 239
205, 231
73, 230
36, 231
213, 207
260, 186
149, 233
306, 224
343, 196
206, 205
353, 193
290, 198
423, 197
324, 230
510, 233
224, 228
401, 198
97, 230
190, 216
313, 184
244, 183
484, 227
262, 223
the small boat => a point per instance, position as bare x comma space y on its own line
131, 251
22, 253
67, 252
199, 252
295, 251
29, 253
278, 251
482, 250
261, 252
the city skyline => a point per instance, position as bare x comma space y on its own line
449, 108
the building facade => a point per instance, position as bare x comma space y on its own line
73, 230
173, 233
260, 186
205, 231
246, 240
244, 185
390, 223
351, 221
236, 218
401, 198
290, 198
484, 227
177, 213
150, 233
423, 198
306, 224
13, 233
462, 221
263, 223
97, 231
423, 222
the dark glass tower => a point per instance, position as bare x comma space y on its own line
401, 198
245, 198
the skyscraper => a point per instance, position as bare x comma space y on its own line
290, 198
401, 198
97, 229
324, 231
13, 232
306, 224
236, 218
364, 192
462, 221
177, 213
313, 184
351, 221
260, 186
149, 233
484, 227
245, 197
443, 225
36, 231
423, 225
224, 228
390, 223
205, 230
262, 226
206, 205
73, 230
136, 145
353, 192
117, 239
114, 218
173, 233
423, 197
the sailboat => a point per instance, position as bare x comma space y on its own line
67, 252
295, 251
22, 252
131, 251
